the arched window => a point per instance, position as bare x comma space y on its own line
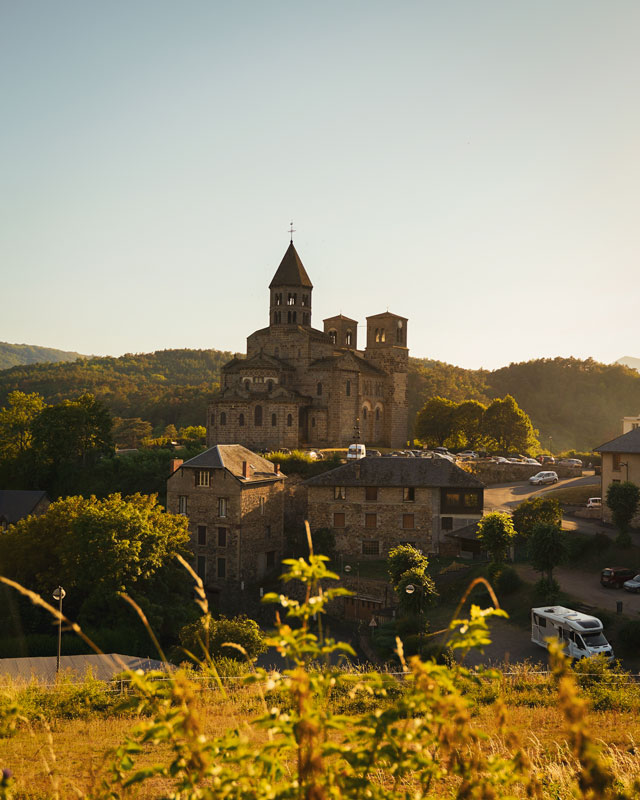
399, 332
223, 418
269, 386
305, 318
294, 316
348, 388
275, 317
382, 334
289, 420
333, 335
348, 339
274, 420
288, 316
313, 422
305, 299
319, 389
377, 334
364, 412
257, 416
377, 413
247, 384
241, 420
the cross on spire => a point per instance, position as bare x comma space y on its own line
292, 230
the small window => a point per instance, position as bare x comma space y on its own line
203, 477
269, 386
339, 492
348, 339
408, 522
377, 412
202, 535
313, 422
262, 506
222, 506
370, 547
617, 461
370, 520
364, 412
271, 559
223, 418
267, 531
222, 567
333, 335
289, 420
319, 389
348, 388
446, 523
274, 420
241, 420
409, 494
453, 498
257, 416
247, 385
201, 567
338, 520
370, 494
183, 501
471, 499
222, 537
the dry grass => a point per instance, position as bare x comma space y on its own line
81, 747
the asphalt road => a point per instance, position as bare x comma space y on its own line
506, 496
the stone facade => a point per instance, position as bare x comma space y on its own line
620, 463
299, 386
234, 500
375, 504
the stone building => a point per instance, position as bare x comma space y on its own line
234, 500
299, 386
16, 504
375, 504
620, 462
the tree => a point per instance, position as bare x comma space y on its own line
496, 532
467, 422
130, 431
622, 499
547, 548
508, 428
416, 591
98, 548
403, 558
211, 633
534, 511
16, 421
434, 423
193, 434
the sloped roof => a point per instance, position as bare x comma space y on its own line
342, 317
386, 314
627, 443
16, 504
260, 360
231, 458
291, 271
341, 360
431, 472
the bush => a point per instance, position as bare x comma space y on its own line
507, 581
630, 636
546, 591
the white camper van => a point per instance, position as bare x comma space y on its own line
581, 634
356, 451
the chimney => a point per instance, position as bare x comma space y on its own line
276, 469
245, 470
175, 463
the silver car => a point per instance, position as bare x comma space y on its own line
544, 477
633, 585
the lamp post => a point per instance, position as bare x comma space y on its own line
625, 464
410, 589
59, 595
550, 453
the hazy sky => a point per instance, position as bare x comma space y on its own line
473, 166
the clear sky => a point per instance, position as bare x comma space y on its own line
473, 166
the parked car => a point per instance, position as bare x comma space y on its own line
501, 460
594, 502
356, 451
543, 477
374, 453
615, 577
546, 460
532, 462
467, 454
569, 462
633, 585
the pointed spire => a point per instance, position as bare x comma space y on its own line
291, 271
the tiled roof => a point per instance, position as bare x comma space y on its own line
386, 314
16, 504
231, 458
291, 271
260, 360
434, 472
627, 443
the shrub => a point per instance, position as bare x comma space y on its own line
630, 636
546, 591
507, 581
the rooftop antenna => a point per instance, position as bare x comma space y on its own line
292, 230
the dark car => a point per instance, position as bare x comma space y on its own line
614, 577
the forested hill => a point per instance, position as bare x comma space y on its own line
580, 404
165, 387
12, 355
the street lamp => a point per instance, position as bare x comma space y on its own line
625, 464
59, 595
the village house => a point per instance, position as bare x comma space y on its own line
234, 500
620, 462
374, 504
299, 386
16, 504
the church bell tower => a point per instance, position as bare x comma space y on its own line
290, 292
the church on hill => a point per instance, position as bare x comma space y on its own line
303, 387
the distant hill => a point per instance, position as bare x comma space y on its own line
629, 361
578, 403
13, 355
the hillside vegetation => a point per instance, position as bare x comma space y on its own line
578, 403
12, 355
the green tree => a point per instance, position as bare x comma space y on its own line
98, 548
403, 558
534, 511
547, 548
434, 423
130, 431
467, 422
16, 421
209, 635
193, 434
622, 499
416, 592
496, 532
508, 428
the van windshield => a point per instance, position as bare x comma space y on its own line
594, 639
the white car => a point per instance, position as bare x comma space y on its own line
633, 585
543, 477
532, 462
594, 502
